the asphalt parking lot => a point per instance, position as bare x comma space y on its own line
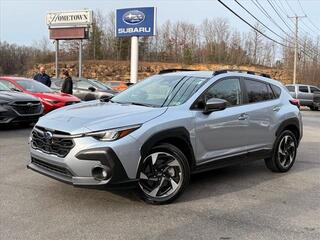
240, 202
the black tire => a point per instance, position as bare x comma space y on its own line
282, 161
26, 124
183, 179
314, 108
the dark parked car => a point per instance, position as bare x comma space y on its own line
86, 89
17, 107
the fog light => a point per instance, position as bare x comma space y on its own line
100, 173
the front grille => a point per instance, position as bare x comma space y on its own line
51, 167
48, 142
27, 108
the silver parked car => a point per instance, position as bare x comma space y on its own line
160, 130
308, 95
86, 89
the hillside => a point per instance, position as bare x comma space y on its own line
106, 70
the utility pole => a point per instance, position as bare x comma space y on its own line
296, 46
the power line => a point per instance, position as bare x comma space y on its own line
257, 30
251, 24
306, 15
279, 15
282, 38
265, 12
284, 11
259, 20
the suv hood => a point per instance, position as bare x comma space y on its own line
16, 96
96, 116
62, 97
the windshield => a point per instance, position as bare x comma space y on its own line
33, 86
161, 90
100, 85
4, 87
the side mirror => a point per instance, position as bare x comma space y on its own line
92, 89
214, 104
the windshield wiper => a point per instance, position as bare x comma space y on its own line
137, 104
142, 104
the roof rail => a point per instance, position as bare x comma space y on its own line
241, 71
174, 70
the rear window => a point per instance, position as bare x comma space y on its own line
258, 91
291, 88
276, 90
303, 89
314, 89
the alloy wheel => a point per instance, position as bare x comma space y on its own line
160, 175
286, 151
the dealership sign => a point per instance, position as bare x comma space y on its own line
136, 22
69, 18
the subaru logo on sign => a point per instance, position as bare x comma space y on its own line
133, 17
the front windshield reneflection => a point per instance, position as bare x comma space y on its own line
4, 87
100, 85
160, 90
33, 86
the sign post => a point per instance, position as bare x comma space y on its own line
57, 55
69, 25
80, 58
134, 59
135, 22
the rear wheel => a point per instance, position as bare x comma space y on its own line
314, 108
164, 174
284, 153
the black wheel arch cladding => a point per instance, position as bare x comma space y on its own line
180, 134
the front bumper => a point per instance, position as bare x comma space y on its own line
9, 115
76, 168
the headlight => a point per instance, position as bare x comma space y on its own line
113, 134
50, 101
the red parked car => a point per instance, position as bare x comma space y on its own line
50, 99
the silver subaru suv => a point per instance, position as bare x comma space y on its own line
158, 132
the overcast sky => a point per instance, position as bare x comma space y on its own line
22, 21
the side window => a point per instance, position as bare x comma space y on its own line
83, 84
290, 88
257, 91
303, 89
314, 89
276, 90
228, 89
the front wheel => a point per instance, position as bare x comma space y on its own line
284, 152
164, 174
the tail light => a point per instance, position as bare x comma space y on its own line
295, 102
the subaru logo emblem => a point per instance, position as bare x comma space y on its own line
48, 136
133, 17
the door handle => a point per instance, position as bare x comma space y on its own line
243, 116
276, 108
